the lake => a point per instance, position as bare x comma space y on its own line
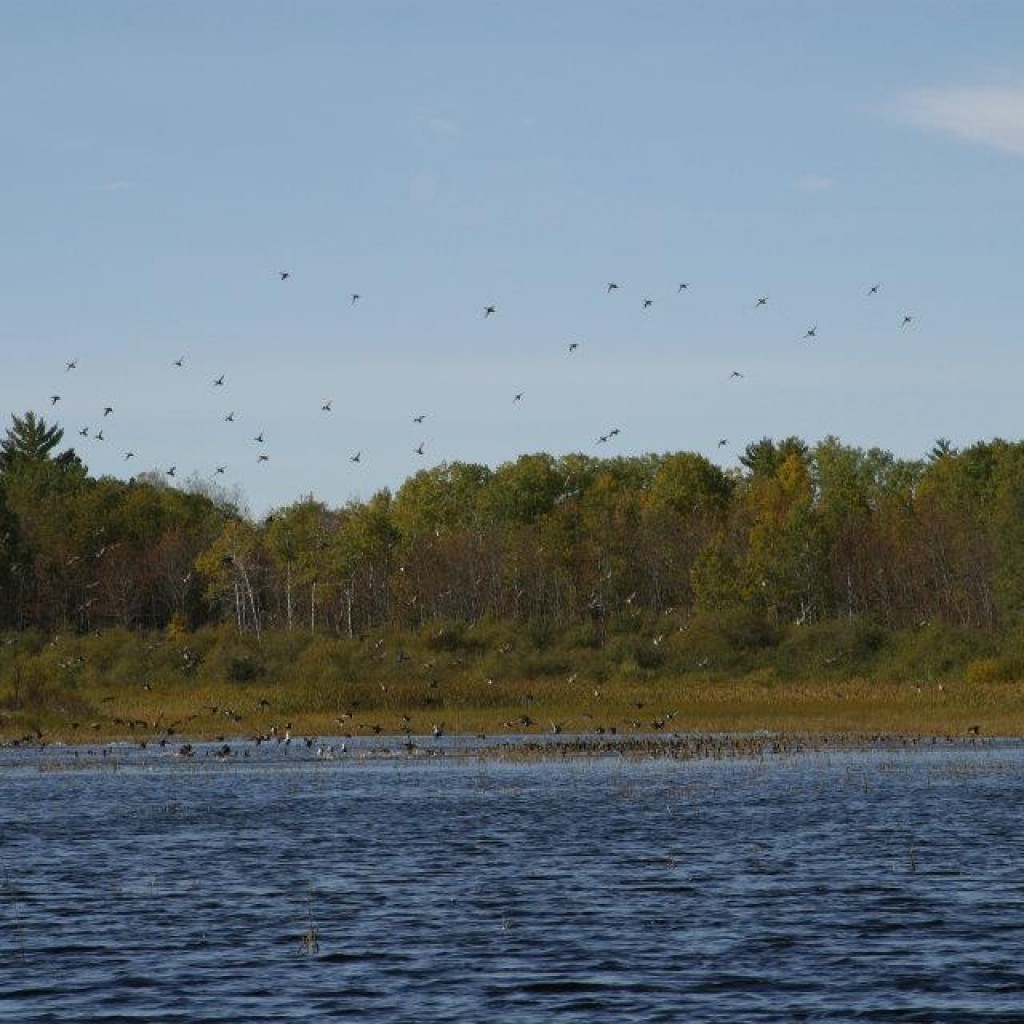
272, 884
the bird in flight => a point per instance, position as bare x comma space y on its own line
683, 285
603, 439
99, 435
907, 320
812, 332
180, 361
219, 382
230, 418
84, 432
326, 407
419, 448
356, 457
71, 364
355, 297
723, 442
284, 274
648, 302
54, 399
259, 437
262, 458
221, 470
573, 345
419, 419
107, 410
129, 455
762, 301
614, 432
611, 287
735, 375
172, 470
873, 290
489, 310
518, 397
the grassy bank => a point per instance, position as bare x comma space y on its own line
849, 679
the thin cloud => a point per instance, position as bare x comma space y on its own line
815, 183
991, 117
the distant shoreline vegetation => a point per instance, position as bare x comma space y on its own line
564, 589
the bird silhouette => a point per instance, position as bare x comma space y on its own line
262, 458
84, 432
873, 290
611, 287
355, 297
614, 432
419, 419
489, 311
54, 399
518, 397
356, 457
259, 437
108, 410
419, 448
172, 470
683, 286
603, 439
284, 274
648, 303
219, 382
326, 407
179, 362
723, 442
129, 455
812, 332
907, 320
220, 470
762, 301
230, 418
71, 364
573, 345
99, 435
735, 375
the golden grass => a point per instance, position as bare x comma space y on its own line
184, 708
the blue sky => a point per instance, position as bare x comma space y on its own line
163, 162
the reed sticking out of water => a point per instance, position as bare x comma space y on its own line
310, 941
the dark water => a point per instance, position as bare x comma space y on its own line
878, 886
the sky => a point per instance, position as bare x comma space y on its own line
165, 163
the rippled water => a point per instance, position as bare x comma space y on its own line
882, 885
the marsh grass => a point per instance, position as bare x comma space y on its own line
849, 678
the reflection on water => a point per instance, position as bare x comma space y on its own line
881, 885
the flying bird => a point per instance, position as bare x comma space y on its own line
907, 320
648, 302
172, 470
355, 297
230, 418
54, 399
614, 432
326, 407
683, 286
219, 382
284, 274
419, 448
812, 332
762, 301
71, 364
611, 287
723, 442
489, 310
735, 375
99, 435
573, 345
129, 455
518, 397
419, 419
84, 432
873, 290
107, 410
356, 457
259, 437
180, 361
221, 470
262, 458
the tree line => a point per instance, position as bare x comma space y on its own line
798, 534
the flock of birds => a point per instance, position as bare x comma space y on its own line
106, 413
